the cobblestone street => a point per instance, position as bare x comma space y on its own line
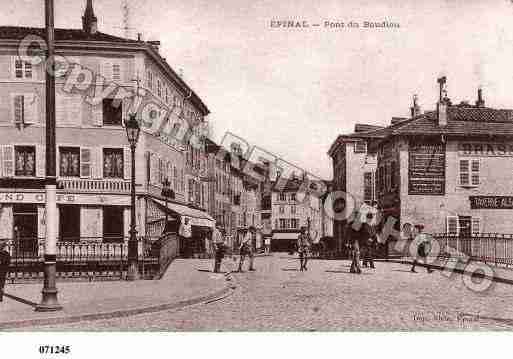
327, 297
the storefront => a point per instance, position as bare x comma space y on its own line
201, 225
81, 217
284, 241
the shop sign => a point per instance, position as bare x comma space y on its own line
39, 197
488, 149
426, 169
491, 202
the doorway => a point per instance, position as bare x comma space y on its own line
69, 223
25, 229
113, 224
465, 224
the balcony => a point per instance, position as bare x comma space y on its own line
93, 185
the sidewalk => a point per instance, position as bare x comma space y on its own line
186, 282
500, 274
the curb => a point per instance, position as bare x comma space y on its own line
454, 270
218, 295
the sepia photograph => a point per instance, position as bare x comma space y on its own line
255, 166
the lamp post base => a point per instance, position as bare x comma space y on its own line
49, 301
133, 271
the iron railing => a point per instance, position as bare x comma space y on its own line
91, 258
492, 248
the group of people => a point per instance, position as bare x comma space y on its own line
246, 248
362, 241
363, 237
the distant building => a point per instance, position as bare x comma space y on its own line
448, 169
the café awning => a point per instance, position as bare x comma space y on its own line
288, 235
197, 217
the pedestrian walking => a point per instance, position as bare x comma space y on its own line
5, 261
246, 249
219, 249
267, 244
423, 248
303, 245
355, 234
369, 237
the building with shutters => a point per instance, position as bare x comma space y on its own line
292, 209
235, 197
93, 157
448, 169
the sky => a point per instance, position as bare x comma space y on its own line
292, 91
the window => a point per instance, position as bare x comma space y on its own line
191, 190
25, 161
476, 226
282, 196
24, 108
159, 89
283, 223
381, 179
282, 209
22, 69
387, 177
149, 80
452, 226
293, 223
293, 209
116, 72
113, 162
175, 175
392, 175
292, 196
69, 158
469, 172
112, 112
368, 187
360, 147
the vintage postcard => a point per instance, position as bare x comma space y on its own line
255, 166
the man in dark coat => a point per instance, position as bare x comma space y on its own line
5, 260
368, 242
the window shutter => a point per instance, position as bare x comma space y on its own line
40, 161
476, 226
8, 161
117, 73
128, 162
97, 165
475, 172
30, 109
464, 172
97, 114
453, 227
107, 70
18, 109
85, 162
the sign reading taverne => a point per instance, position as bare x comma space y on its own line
491, 202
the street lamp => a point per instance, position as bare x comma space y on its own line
49, 300
132, 133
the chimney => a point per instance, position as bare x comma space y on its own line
480, 102
443, 102
89, 20
415, 109
155, 45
